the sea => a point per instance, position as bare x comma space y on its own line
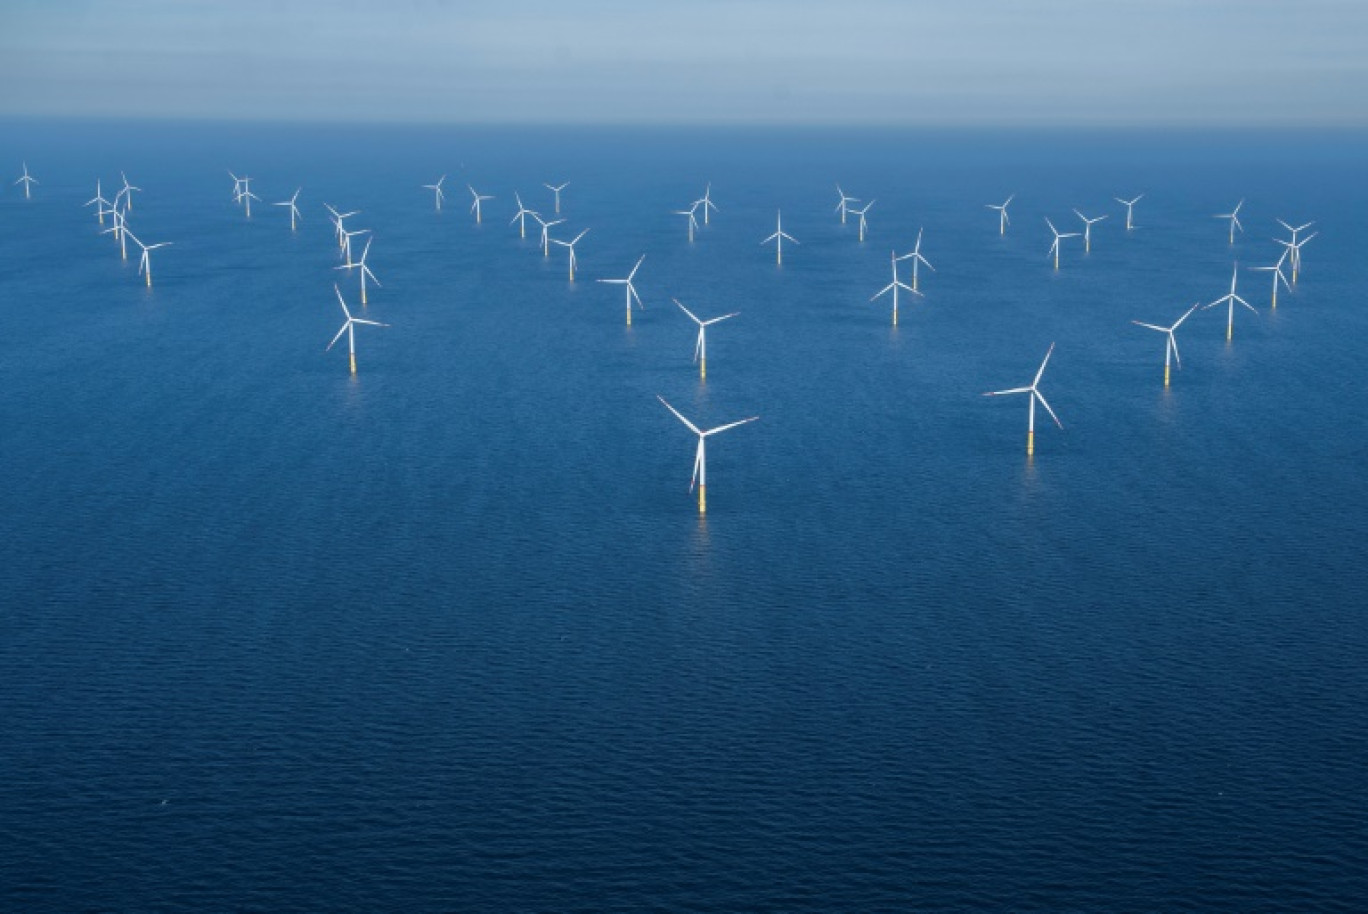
451, 634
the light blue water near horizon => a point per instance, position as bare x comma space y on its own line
450, 635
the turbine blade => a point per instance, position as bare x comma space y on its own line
680, 416
723, 428
1041, 398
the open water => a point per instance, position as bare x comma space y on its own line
450, 635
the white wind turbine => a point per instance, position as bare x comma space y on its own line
557, 192
1171, 344
843, 207
1002, 213
571, 246
118, 231
362, 267
521, 215
1058, 237
475, 206
145, 263
894, 286
916, 257
864, 225
1229, 299
1130, 208
1278, 276
348, 329
126, 192
706, 200
778, 239
1034, 392
237, 187
294, 210
701, 344
545, 232
693, 220
1234, 217
1294, 248
1087, 230
99, 201
631, 289
700, 467
27, 180
247, 195
339, 224
437, 195
346, 246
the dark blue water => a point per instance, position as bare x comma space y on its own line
450, 635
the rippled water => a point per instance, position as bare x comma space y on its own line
450, 635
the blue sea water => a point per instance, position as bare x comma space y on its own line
450, 635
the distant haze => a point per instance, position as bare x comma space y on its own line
971, 62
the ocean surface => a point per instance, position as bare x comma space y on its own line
450, 635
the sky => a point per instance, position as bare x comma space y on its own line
802, 62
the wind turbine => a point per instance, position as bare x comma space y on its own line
706, 200
545, 229
346, 245
145, 263
1171, 344
27, 180
475, 206
701, 345
700, 467
556, 191
894, 286
693, 220
1087, 230
917, 258
631, 289
127, 192
1002, 213
1130, 207
778, 239
1234, 217
1230, 298
99, 201
437, 194
237, 186
1058, 237
1278, 276
294, 210
521, 215
118, 231
1295, 247
864, 225
247, 196
361, 265
571, 246
348, 329
338, 220
1034, 392
843, 207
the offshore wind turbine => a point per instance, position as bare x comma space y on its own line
118, 231
1034, 391
27, 180
1295, 247
1002, 213
346, 245
437, 195
894, 286
706, 200
126, 192
294, 210
361, 265
701, 344
557, 192
1229, 299
843, 207
693, 220
475, 206
247, 196
99, 201
145, 263
1234, 217
338, 221
571, 246
1278, 276
864, 225
1130, 207
916, 257
349, 329
700, 467
1058, 237
1087, 230
545, 232
520, 216
778, 239
237, 186
631, 289
1171, 344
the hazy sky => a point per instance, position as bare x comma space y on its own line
727, 61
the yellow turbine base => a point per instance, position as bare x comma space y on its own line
1275, 299
703, 369
702, 500
1030, 444
629, 316
363, 295
1228, 333
353, 363
895, 317
1166, 376
149, 279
